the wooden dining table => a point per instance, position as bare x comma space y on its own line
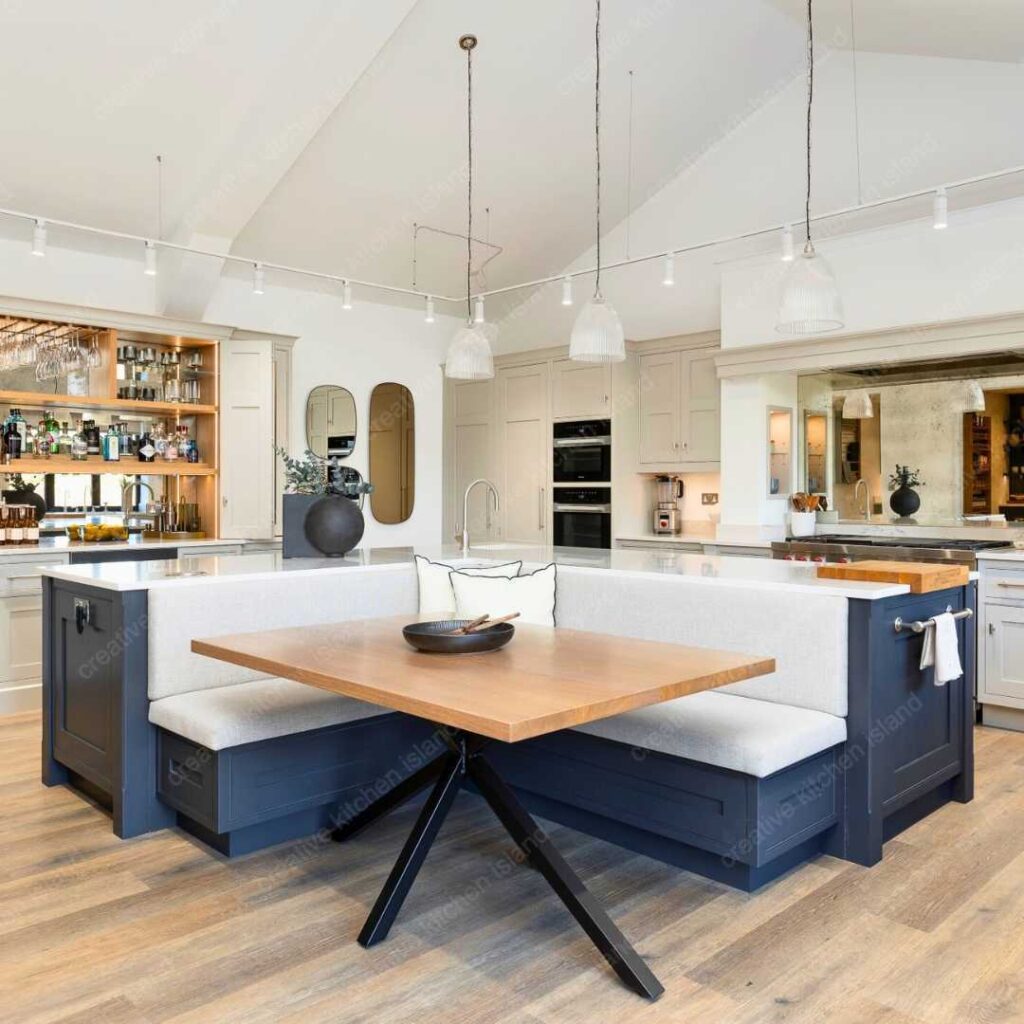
544, 680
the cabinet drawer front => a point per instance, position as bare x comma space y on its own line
1003, 584
24, 571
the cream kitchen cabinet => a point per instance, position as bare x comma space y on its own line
680, 408
523, 451
472, 404
580, 391
1002, 680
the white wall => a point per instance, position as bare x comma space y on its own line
357, 349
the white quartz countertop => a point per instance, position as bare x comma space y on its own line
1002, 555
688, 537
61, 545
931, 527
760, 573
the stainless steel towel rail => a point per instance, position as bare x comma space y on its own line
919, 627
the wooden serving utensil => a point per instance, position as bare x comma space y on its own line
486, 623
470, 626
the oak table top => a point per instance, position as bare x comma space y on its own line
544, 680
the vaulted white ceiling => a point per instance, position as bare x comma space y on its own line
316, 134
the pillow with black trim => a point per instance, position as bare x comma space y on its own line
531, 594
436, 594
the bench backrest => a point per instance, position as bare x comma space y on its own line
204, 608
806, 633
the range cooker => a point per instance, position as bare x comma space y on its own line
890, 549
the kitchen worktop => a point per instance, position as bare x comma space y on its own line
61, 545
760, 574
933, 527
1002, 555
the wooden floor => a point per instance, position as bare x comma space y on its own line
98, 931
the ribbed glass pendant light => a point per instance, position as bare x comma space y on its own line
597, 335
469, 354
858, 406
810, 302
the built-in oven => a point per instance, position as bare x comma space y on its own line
583, 517
583, 452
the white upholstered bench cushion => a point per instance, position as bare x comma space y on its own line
756, 737
229, 716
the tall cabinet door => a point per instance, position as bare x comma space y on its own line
246, 439
659, 407
581, 391
700, 408
1004, 654
524, 449
473, 455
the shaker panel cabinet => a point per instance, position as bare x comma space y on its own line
580, 391
680, 410
247, 439
472, 433
524, 450
659, 407
1004, 655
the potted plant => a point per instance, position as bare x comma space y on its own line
321, 506
904, 500
21, 492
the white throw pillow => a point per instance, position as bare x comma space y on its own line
436, 594
532, 595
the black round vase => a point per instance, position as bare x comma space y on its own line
904, 501
27, 498
334, 525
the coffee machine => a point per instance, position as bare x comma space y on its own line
667, 516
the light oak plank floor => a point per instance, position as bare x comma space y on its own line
159, 930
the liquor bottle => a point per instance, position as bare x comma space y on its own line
160, 439
15, 531
171, 448
12, 439
111, 445
42, 443
147, 451
124, 440
92, 437
49, 425
79, 445
31, 526
3, 521
20, 426
64, 440
30, 443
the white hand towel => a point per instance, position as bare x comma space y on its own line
941, 649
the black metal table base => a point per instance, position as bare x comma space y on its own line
448, 773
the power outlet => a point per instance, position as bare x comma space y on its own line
709, 498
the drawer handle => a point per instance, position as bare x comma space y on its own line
27, 576
1006, 583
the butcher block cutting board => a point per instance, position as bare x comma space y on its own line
921, 577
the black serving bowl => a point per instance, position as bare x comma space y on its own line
437, 637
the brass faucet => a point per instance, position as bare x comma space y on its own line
153, 518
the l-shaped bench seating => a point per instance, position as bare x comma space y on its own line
738, 784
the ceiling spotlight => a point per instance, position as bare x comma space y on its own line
478, 313
428, 317
787, 244
150, 268
940, 210
257, 279
670, 271
39, 238
346, 296
567, 290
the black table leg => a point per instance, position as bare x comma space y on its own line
466, 760
582, 904
410, 860
397, 795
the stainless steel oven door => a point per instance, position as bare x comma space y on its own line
582, 460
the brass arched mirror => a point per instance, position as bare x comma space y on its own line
331, 422
392, 453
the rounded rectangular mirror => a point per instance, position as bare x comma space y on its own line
392, 453
331, 422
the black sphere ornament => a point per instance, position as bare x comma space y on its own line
334, 525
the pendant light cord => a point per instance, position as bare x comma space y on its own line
469, 186
810, 101
597, 138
